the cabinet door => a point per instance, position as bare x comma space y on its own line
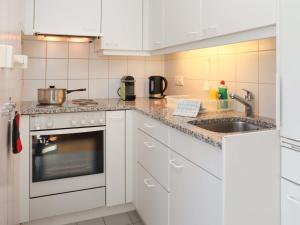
68, 17
221, 17
196, 196
290, 200
122, 25
182, 21
153, 24
152, 199
115, 158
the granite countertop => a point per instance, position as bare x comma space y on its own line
157, 109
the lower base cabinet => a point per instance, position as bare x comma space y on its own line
195, 195
152, 199
290, 201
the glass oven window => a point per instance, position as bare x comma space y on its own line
67, 155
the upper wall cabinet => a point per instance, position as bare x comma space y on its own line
68, 17
153, 26
226, 17
182, 21
122, 25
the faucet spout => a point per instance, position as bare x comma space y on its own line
247, 101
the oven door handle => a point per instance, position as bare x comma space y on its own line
67, 131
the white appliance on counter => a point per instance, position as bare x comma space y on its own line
289, 70
67, 163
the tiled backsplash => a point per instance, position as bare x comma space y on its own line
76, 65
248, 65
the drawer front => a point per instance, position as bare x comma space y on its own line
55, 205
152, 199
290, 203
154, 128
291, 164
200, 153
154, 157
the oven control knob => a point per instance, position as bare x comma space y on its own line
92, 121
50, 124
73, 122
83, 122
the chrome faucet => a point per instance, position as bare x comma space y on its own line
247, 101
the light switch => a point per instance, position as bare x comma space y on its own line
20, 61
6, 56
179, 80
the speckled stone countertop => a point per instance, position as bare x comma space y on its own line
157, 109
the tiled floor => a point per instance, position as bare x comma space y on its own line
130, 218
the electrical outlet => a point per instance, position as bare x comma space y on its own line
179, 81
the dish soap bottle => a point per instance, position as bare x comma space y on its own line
223, 95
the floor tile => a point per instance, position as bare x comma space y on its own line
98, 221
120, 219
134, 217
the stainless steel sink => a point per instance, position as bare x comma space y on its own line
230, 125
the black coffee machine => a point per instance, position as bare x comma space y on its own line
157, 86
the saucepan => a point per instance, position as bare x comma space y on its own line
54, 96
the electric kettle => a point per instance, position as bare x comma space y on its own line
157, 86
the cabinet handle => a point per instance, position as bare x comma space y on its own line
148, 125
149, 145
294, 200
175, 165
148, 184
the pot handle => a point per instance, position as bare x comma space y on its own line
70, 91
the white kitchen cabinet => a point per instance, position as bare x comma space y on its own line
152, 199
226, 17
122, 25
153, 28
182, 20
68, 17
195, 195
115, 158
290, 201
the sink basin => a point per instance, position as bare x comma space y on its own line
229, 125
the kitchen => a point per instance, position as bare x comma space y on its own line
152, 112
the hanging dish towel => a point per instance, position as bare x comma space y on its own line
16, 140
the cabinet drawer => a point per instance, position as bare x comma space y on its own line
152, 199
291, 164
154, 157
154, 128
290, 203
55, 205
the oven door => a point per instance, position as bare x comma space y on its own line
66, 160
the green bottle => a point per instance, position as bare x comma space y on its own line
223, 95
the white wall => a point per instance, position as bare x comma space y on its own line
249, 65
10, 85
76, 65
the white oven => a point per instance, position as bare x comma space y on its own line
67, 153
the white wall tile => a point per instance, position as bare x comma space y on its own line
57, 83
113, 86
79, 50
141, 87
267, 44
117, 67
136, 67
227, 67
36, 69
78, 69
57, 49
247, 67
98, 68
30, 89
154, 67
77, 84
57, 69
267, 100
215, 69
35, 49
267, 67
98, 88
